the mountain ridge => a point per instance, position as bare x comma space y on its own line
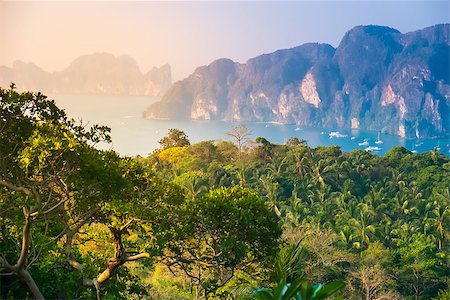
377, 78
97, 73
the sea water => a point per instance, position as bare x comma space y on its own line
133, 135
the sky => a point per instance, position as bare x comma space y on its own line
189, 34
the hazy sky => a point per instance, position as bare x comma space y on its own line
189, 34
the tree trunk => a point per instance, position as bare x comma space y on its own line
20, 268
113, 264
25, 276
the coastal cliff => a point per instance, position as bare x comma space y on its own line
376, 79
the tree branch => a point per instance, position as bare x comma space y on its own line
25, 239
7, 274
5, 263
127, 225
16, 188
137, 256
71, 233
19, 267
51, 208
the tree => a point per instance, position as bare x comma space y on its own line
39, 152
418, 266
241, 135
370, 281
289, 263
192, 183
175, 138
226, 230
57, 190
373, 277
295, 141
322, 260
362, 227
137, 216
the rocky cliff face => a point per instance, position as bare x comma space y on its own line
376, 79
99, 73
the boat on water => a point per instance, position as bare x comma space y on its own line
337, 134
373, 148
378, 141
364, 143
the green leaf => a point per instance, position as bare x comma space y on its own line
329, 289
293, 289
263, 294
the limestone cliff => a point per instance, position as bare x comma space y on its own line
99, 73
376, 79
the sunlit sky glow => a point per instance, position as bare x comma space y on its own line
189, 34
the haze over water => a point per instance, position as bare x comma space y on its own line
134, 135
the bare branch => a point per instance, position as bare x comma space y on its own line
127, 225
228, 279
51, 208
4, 262
16, 188
192, 276
76, 265
182, 260
25, 239
137, 256
6, 274
94, 282
36, 194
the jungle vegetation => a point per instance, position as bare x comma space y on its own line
230, 219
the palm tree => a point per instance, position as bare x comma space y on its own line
276, 165
439, 215
300, 161
362, 227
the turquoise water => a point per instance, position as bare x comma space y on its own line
134, 135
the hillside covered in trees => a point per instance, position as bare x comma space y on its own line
236, 219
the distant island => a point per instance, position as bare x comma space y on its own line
99, 73
376, 79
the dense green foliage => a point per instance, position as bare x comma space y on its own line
378, 223
213, 219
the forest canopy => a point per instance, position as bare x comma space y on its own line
212, 220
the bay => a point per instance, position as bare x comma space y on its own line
133, 135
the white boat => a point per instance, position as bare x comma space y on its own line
365, 143
298, 129
337, 134
353, 137
373, 148
414, 151
378, 141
